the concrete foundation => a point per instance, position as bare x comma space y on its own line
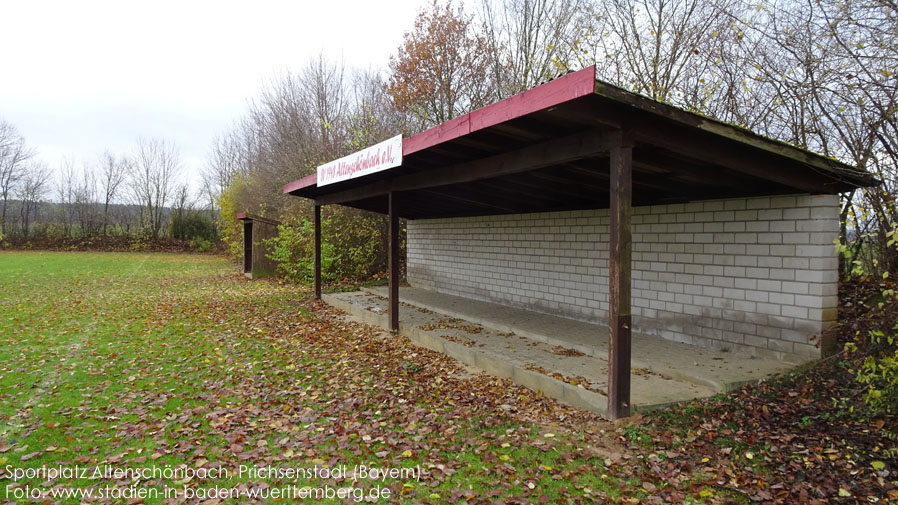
563, 358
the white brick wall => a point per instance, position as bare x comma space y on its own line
757, 275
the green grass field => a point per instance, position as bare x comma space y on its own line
154, 363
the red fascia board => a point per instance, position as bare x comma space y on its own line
555, 92
452, 129
558, 91
309, 180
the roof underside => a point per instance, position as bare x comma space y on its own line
551, 153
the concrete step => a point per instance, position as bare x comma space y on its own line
559, 371
713, 368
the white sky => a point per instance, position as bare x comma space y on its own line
81, 76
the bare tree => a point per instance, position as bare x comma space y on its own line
85, 202
14, 154
65, 195
323, 87
156, 162
532, 41
298, 122
371, 116
824, 72
227, 161
659, 48
181, 209
113, 173
33, 188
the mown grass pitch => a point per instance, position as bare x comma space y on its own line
172, 372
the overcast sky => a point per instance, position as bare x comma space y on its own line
81, 76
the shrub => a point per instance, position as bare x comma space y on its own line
193, 225
293, 251
353, 246
140, 242
360, 236
879, 373
876, 357
201, 245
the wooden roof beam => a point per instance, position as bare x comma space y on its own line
733, 157
551, 152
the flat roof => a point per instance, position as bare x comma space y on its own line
244, 216
547, 149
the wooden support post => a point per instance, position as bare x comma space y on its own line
248, 247
317, 252
619, 320
393, 261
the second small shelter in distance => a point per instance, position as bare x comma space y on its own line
256, 229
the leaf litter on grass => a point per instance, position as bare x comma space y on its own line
184, 362
204, 369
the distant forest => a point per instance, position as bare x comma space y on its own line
134, 197
52, 221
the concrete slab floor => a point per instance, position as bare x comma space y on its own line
563, 358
